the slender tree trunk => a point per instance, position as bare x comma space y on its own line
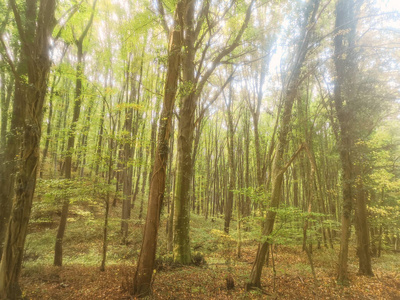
107, 205
231, 162
71, 140
6, 92
100, 139
278, 166
128, 160
56, 80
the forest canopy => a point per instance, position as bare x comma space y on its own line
224, 139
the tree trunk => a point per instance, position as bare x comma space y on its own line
11, 147
128, 157
35, 50
71, 139
231, 162
186, 128
107, 205
362, 231
278, 166
345, 67
145, 266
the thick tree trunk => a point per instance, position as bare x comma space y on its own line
10, 151
346, 68
35, 49
145, 266
362, 231
186, 128
186, 123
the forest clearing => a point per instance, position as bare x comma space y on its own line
199, 149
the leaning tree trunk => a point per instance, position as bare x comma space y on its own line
278, 166
145, 266
35, 49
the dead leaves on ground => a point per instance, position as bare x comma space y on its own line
293, 281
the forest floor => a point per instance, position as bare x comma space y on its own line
80, 277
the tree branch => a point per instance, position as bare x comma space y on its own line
301, 147
18, 20
201, 114
228, 49
71, 11
8, 58
86, 30
161, 11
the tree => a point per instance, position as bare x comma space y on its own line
192, 87
279, 167
32, 86
71, 135
145, 266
